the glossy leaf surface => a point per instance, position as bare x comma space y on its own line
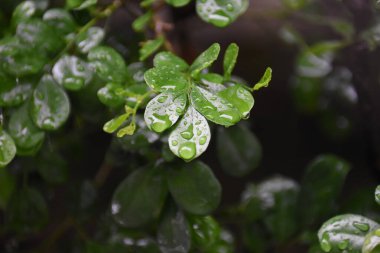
89, 39
166, 80
7, 148
204, 60
230, 57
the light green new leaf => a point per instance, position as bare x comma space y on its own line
7, 149
240, 98
239, 150
178, 3
61, 20
173, 235
214, 107
89, 39
86, 4
26, 135
194, 187
50, 104
139, 198
72, 72
220, 13
108, 64
169, 60
142, 21
190, 138
265, 79
345, 232
204, 60
166, 80
164, 110
150, 47
372, 242
229, 61
112, 125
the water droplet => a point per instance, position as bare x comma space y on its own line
174, 143
187, 150
230, 7
325, 244
162, 99
48, 123
377, 194
179, 110
202, 140
160, 122
219, 20
361, 226
199, 132
343, 245
188, 133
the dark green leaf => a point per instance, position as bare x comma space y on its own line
307, 93
214, 107
173, 235
169, 60
52, 167
164, 110
166, 80
221, 13
240, 98
194, 187
50, 104
89, 39
61, 20
108, 64
27, 136
139, 198
345, 232
205, 231
190, 138
324, 170
150, 47
239, 150
230, 58
204, 60
7, 186
7, 148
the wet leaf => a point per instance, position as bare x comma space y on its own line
372, 242
150, 47
24, 11
142, 21
377, 194
169, 60
239, 150
166, 80
220, 13
229, 61
212, 82
89, 39
204, 60
190, 138
345, 232
72, 72
173, 235
61, 20
240, 98
112, 125
264, 81
324, 170
177, 3
108, 95
50, 104
214, 107
128, 130
139, 198
26, 135
164, 110
194, 187
7, 148
205, 231
12, 93
108, 64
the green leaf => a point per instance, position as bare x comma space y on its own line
50, 104
212, 82
7, 148
204, 60
72, 72
7, 186
324, 170
240, 98
372, 242
178, 3
89, 39
128, 130
166, 80
229, 61
108, 64
37, 34
190, 138
139, 198
194, 187
239, 150
112, 125
264, 81
169, 60
345, 232
295, 4
61, 20
19, 59
86, 4
377, 194
164, 110
142, 21
220, 13
173, 235
12, 93
214, 107
24, 11
27, 137
205, 231
150, 47
108, 95
27, 211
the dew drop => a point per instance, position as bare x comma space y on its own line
364, 227
162, 99
343, 245
230, 7
174, 143
188, 133
160, 122
202, 140
187, 150
325, 245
